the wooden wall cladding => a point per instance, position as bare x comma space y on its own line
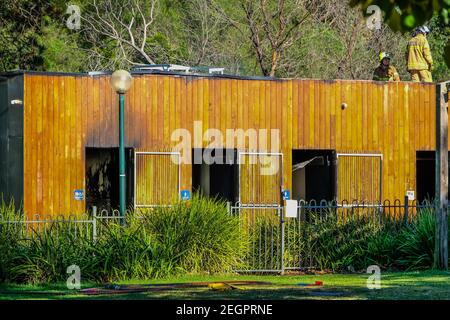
63, 114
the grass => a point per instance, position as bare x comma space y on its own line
170, 245
399, 286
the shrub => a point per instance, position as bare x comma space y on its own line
200, 235
125, 253
336, 243
45, 256
416, 242
382, 249
10, 238
197, 236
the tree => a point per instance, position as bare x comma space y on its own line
284, 38
128, 24
336, 44
271, 26
404, 16
438, 38
20, 32
61, 49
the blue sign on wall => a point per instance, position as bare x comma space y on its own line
185, 195
286, 195
78, 195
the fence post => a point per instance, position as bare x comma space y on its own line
441, 174
94, 223
282, 238
406, 208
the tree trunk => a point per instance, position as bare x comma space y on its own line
275, 58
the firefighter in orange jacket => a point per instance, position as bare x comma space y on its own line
418, 56
385, 71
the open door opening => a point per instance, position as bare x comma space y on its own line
313, 175
425, 175
215, 178
102, 178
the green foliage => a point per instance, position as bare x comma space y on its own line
439, 40
10, 238
416, 242
200, 236
195, 237
21, 23
406, 15
333, 42
45, 256
329, 242
338, 245
60, 50
124, 253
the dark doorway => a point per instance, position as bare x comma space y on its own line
217, 178
313, 175
102, 178
425, 175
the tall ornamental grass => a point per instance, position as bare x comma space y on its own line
200, 236
190, 237
326, 241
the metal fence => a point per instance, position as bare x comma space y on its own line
89, 226
278, 242
31, 227
263, 228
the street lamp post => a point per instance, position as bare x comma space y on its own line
121, 81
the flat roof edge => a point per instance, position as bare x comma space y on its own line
182, 74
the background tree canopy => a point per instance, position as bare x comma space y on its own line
321, 39
406, 15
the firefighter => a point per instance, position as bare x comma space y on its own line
385, 71
418, 56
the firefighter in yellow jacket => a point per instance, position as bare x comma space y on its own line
385, 71
418, 56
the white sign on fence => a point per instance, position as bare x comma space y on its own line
410, 195
291, 208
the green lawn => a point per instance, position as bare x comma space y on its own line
398, 286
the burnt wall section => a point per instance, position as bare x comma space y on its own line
102, 178
11, 138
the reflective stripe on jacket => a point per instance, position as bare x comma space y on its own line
418, 53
